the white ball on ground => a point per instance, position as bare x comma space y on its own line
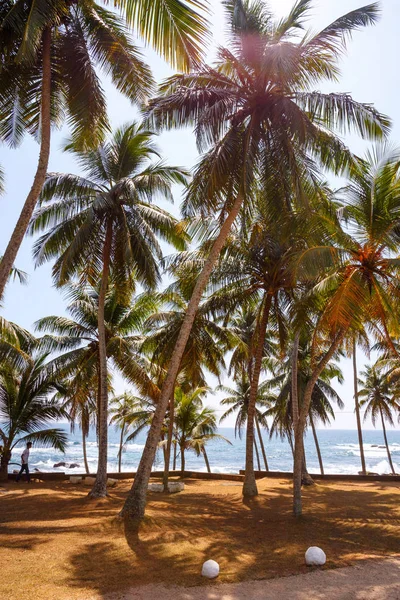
210, 569
315, 557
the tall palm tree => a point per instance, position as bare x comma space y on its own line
78, 339
27, 409
352, 344
255, 109
380, 399
195, 425
50, 55
358, 278
107, 223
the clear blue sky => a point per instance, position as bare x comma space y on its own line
370, 73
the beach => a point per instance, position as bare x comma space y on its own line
57, 544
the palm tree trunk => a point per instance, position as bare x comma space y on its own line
175, 450
290, 438
4, 461
182, 461
321, 464
206, 459
100, 485
169, 442
249, 484
357, 405
135, 503
294, 383
121, 443
386, 443
299, 432
257, 455
85, 460
17, 236
261, 444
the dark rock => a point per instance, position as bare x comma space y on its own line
73, 466
60, 464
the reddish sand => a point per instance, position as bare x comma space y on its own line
57, 544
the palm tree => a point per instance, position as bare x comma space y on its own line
238, 402
79, 341
49, 57
255, 109
355, 339
358, 278
80, 403
178, 30
205, 348
106, 224
380, 399
195, 425
124, 411
26, 409
323, 395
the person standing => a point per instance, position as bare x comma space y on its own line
24, 465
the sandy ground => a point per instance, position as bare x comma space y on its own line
57, 544
378, 580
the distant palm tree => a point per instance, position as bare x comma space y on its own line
50, 55
255, 109
26, 408
79, 399
124, 410
106, 225
323, 396
380, 399
238, 402
195, 425
205, 348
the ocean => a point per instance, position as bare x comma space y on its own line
339, 449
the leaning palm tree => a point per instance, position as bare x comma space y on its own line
50, 55
255, 109
380, 399
27, 408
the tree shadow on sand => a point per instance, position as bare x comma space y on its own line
251, 540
